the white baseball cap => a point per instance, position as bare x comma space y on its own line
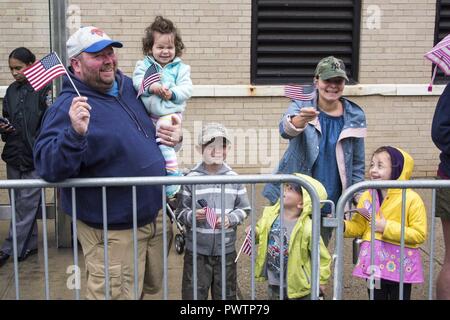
89, 39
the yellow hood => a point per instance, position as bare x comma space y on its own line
408, 165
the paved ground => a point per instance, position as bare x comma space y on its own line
31, 271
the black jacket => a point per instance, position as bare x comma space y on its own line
440, 130
24, 108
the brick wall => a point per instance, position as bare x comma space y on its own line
398, 121
253, 122
22, 23
393, 53
216, 33
217, 36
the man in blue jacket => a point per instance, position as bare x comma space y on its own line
106, 132
440, 133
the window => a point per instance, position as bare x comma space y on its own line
289, 37
442, 28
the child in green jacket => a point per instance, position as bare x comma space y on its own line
297, 244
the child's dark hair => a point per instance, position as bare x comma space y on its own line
296, 187
23, 54
397, 160
223, 140
163, 26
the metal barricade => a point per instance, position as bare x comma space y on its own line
134, 182
339, 223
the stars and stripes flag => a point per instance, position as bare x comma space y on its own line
211, 217
300, 92
364, 212
440, 55
246, 246
150, 77
43, 71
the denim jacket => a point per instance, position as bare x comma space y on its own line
303, 148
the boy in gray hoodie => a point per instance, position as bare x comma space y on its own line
213, 144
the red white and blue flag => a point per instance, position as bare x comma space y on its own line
211, 217
247, 245
150, 77
365, 213
300, 92
43, 71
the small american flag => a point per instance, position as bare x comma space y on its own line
247, 245
364, 213
43, 71
299, 92
150, 77
211, 217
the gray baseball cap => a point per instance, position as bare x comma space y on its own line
212, 130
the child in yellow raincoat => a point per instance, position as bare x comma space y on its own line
390, 163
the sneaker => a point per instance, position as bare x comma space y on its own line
28, 253
172, 190
3, 258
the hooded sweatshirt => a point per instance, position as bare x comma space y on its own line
120, 142
24, 108
237, 207
300, 246
391, 207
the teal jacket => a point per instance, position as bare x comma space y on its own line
176, 76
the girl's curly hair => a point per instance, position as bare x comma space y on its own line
163, 26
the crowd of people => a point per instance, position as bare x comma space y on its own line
65, 138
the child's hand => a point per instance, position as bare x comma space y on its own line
156, 88
380, 223
6, 128
200, 214
322, 288
166, 93
219, 222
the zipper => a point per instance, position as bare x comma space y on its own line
133, 116
306, 275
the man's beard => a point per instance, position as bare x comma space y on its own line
98, 83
